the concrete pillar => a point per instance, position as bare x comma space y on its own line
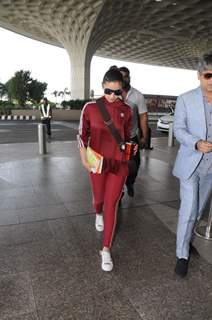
80, 73
77, 40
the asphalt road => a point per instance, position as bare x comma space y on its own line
26, 131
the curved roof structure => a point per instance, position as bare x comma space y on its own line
158, 32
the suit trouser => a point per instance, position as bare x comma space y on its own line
107, 189
194, 194
137, 159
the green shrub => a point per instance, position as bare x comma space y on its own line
6, 107
74, 104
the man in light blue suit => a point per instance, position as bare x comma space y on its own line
193, 166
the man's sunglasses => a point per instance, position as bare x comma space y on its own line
117, 92
207, 76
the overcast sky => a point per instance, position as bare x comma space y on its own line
51, 64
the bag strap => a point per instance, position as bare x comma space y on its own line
109, 123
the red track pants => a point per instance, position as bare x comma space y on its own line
107, 189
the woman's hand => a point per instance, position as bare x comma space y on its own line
86, 165
84, 159
135, 149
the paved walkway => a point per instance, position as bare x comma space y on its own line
49, 263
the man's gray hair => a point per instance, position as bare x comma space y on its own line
205, 63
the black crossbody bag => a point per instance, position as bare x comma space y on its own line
109, 123
114, 132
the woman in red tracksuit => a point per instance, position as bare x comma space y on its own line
107, 186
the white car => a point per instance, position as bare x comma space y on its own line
164, 121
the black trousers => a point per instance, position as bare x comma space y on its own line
137, 159
47, 122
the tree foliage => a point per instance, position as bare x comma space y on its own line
3, 90
22, 87
18, 86
36, 90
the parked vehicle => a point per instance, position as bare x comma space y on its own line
164, 121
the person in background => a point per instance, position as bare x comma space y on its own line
136, 101
106, 186
46, 115
193, 166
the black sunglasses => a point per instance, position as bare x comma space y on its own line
207, 76
117, 92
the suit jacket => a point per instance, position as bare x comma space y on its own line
189, 127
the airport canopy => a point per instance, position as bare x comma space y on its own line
166, 32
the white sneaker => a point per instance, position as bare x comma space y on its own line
99, 223
107, 262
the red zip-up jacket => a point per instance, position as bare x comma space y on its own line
94, 132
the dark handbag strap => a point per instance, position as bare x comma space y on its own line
109, 123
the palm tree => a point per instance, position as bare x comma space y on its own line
3, 91
66, 92
92, 94
61, 93
55, 93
